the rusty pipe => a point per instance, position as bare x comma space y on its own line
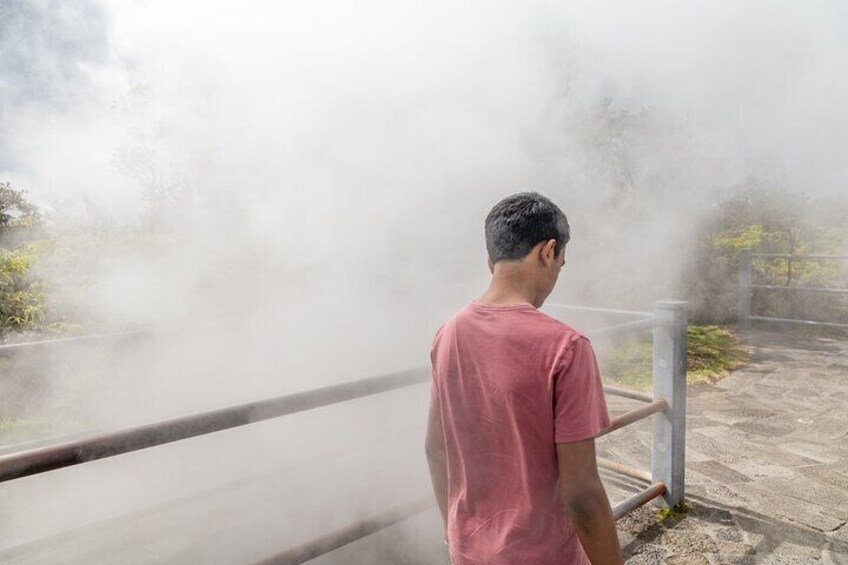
624, 469
348, 534
658, 405
628, 393
108, 443
638, 499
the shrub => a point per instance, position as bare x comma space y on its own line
21, 295
769, 220
711, 353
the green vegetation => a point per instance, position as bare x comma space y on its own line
21, 292
766, 218
628, 364
712, 353
21, 296
31, 254
15, 209
674, 513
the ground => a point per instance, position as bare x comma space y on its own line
767, 463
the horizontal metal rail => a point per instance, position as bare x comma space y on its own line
38, 457
594, 310
628, 393
18, 551
798, 257
640, 499
363, 528
46, 456
348, 534
45, 441
107, 444
623, 469
15, 347
746, 288
802, 288
629, 327
658, 405
801, 322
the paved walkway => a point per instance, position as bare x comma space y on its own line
767, 463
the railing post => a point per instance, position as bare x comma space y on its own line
668, 446
745, 289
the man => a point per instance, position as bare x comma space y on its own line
516, 402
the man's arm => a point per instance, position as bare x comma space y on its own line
435, 449
586, 501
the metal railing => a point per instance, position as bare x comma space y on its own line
668, 399
746, 288
666, 404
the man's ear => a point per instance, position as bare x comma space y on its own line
491, 265
548, 254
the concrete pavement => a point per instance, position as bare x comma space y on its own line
767, 463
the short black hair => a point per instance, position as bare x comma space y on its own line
519, 222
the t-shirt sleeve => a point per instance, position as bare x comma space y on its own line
434, 385
580, 409
434, 389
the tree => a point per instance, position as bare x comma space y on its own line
21, 295
15, 208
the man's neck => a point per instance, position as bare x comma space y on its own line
507, 288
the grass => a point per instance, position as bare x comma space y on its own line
675, 513
711, 354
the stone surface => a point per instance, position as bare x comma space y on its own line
719, 472
767, 464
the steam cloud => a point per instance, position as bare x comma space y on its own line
322, 171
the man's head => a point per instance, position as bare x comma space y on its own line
526, 235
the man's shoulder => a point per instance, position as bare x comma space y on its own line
541, 324
559, 329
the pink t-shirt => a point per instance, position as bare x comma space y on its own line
510, 382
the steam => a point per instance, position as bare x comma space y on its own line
304, 185
377, 134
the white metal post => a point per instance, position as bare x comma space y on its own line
745, 289
668, 448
